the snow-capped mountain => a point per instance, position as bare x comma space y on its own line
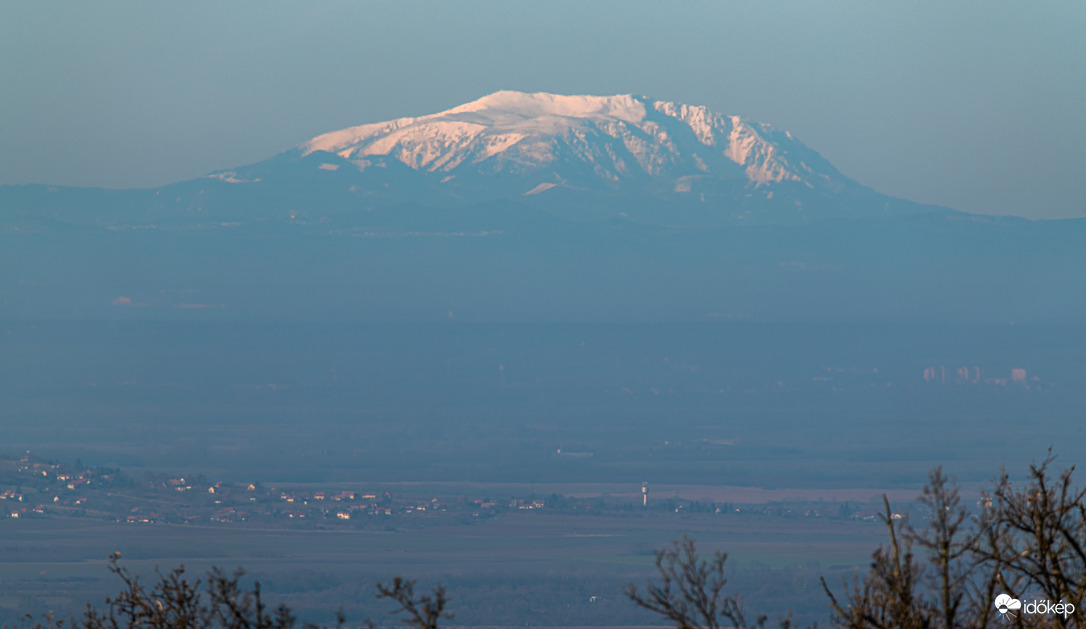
531, 207
621, 158
612, 138
579, 158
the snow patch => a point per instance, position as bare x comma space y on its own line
231, 177
740, 142
543, 187
499, 143
501, 104
337, 141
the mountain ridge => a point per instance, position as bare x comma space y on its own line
578, 158
526, 132
515, 208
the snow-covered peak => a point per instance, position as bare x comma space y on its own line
613, 138
507, 106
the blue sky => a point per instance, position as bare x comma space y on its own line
978, 105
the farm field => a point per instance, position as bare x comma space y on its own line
571, 568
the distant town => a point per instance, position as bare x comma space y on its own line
973, 375
34, 488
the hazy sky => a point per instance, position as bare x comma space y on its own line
975, 104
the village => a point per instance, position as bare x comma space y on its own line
35, 488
